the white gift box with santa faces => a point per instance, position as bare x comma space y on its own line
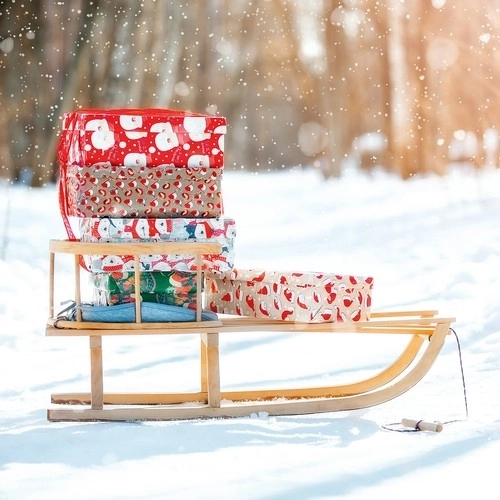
290, 296
213, 230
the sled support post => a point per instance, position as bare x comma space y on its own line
137, 284
210, 371
199, 286
78, 287
96, 375
51, 284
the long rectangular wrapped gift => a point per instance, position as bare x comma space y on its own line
119, 191
141, 137
213, 230
291, 296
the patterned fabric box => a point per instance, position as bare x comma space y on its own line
296, 296
141, 137
118, 191
173, 288
215, 230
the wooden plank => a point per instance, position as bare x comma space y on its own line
96, 373
422, 313
127, 398
78, 287
199, 287
384, 321
137, 284
203, 365
134, 248
420, 326
51, 284
211, 347
88, 329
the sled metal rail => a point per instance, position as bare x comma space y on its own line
425, 330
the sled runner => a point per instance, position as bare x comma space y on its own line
425, 330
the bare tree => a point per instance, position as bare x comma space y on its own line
414, 71
337, 87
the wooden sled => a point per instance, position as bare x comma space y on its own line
425, 330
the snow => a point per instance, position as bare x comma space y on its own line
430, 243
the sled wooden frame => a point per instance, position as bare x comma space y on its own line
426, 332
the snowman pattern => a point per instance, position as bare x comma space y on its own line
221, 230
145, 140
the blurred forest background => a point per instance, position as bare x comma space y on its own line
411, 85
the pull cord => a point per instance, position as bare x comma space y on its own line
407, 425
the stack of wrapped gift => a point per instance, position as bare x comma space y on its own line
145, 175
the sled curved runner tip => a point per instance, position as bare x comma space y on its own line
425, 330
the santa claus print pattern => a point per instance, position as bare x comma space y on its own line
162, 191
297, 296
215, 230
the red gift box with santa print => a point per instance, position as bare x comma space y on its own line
142, 137
291, 296
126, 230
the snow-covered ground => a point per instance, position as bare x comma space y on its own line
429, 243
